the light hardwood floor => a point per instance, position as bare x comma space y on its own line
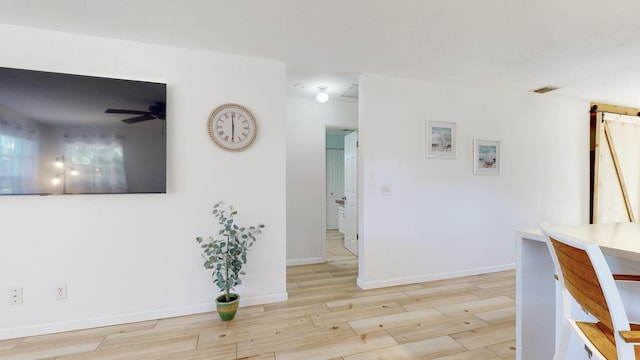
327, 317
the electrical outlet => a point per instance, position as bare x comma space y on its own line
61, 292
15, 296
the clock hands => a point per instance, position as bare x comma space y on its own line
233, 127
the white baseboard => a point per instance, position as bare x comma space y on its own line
265, 299
368, 285
80, 324
308, 261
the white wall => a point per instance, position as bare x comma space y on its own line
307, 120
134, 257
441, 220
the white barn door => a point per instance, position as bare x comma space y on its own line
616, 193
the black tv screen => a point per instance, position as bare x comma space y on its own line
75, 134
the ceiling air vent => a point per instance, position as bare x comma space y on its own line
545, 89
351, 92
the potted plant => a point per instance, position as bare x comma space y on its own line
225, 254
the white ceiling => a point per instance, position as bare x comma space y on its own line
588, 48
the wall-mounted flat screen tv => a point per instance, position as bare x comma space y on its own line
75, 134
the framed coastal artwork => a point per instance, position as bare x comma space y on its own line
486, 157
441, 139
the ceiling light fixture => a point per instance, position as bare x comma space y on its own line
322, 96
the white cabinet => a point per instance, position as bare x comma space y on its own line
341, 218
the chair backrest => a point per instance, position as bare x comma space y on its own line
585, 274
581, 280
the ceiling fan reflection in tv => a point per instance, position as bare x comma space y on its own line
156, 111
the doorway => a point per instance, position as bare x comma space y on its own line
341, 185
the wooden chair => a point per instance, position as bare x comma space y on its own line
584, 275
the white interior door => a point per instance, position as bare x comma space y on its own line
351, 192
335, 185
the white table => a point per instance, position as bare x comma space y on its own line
536, 293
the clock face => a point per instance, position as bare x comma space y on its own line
232, 127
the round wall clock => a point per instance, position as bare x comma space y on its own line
232, 127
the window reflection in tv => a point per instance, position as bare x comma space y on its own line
75, 134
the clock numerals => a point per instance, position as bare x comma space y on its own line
244, 134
